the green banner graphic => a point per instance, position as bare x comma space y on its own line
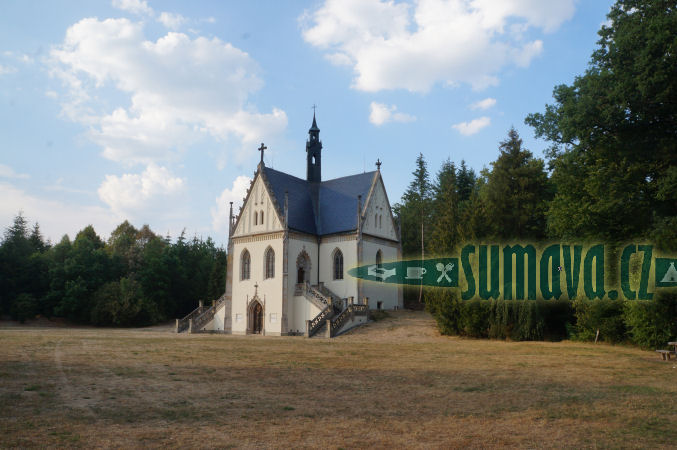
530, 271
666, 272
430, 272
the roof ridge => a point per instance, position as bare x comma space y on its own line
285, 173
348, 176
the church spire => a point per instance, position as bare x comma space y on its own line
314, 153
313, 127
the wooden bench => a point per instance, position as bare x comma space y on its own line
666, 354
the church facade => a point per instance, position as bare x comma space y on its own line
294, 240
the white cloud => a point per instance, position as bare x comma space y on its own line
8, 172
56, 218
484, 104
180, 90
221, 212
472, 127
134, 6
156, 189
171, 20
7, 69
381, 113
414, 46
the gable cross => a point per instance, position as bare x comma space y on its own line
261, 149
378, 164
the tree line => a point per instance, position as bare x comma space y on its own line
134, 278
609, 175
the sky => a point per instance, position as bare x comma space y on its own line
153, 111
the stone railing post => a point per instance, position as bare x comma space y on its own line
177, 325
328, 334
350, 300
200, 304
190, 325
307, 328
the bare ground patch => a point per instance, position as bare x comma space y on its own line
393, 383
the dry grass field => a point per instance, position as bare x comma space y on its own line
393, 383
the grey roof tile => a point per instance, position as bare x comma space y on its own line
327, 208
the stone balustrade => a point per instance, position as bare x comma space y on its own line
315, 296
199, 317
184, 324
316, 323
335, 324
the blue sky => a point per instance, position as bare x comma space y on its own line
152, 111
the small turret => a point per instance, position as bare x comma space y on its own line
314, 154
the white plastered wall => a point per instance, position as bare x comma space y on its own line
256, 232
346, 287
269, 290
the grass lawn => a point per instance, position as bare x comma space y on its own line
393, 383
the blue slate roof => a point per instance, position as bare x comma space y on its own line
320, 208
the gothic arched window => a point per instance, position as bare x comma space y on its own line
245, 265
256, 218
338, 265
261, 217
270, 263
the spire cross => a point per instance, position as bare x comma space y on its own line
261, 149
314, 106
378, 164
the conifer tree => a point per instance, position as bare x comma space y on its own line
517, 192
414, 211
444, 223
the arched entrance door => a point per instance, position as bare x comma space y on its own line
256, 317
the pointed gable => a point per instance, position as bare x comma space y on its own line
378, 217
259, 213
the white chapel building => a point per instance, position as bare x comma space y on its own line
290, 249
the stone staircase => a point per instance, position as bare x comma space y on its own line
336, 315
315, 296
200, 316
